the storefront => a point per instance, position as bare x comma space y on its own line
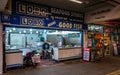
28, 39
99, 38
95, 33
95, 39
30, 25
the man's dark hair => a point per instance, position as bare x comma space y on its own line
46, 46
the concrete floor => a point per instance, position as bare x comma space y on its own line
74, 67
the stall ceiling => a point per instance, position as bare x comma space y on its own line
86, 6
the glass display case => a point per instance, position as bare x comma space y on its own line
28, 39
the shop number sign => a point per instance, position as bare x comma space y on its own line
86, 54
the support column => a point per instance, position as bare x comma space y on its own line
1, 49
85, 39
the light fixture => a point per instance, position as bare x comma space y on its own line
30, 32
24, 31
77, 1
7, 31
14, 28
30, 29
10, 30
36, 31
20, 32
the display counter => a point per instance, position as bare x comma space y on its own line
67, 53
14, 58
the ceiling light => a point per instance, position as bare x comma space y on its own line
24, 31
7, 31
30, 32
14, 29
36, 31
10, 30
77, 1
30, 29
20, 32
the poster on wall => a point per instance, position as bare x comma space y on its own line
86, 54
89, 42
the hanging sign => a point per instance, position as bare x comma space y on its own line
40, 22
95, 28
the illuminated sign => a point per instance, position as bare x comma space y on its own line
70, 25
51, 13
32, 21
95, 28
39, 22
32, 10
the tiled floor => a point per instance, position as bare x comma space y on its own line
73, 67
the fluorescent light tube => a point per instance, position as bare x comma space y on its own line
76, 1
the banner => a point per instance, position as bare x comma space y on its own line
40, 22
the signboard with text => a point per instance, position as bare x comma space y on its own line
33, 15
95, 28
41, 22
49, 13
